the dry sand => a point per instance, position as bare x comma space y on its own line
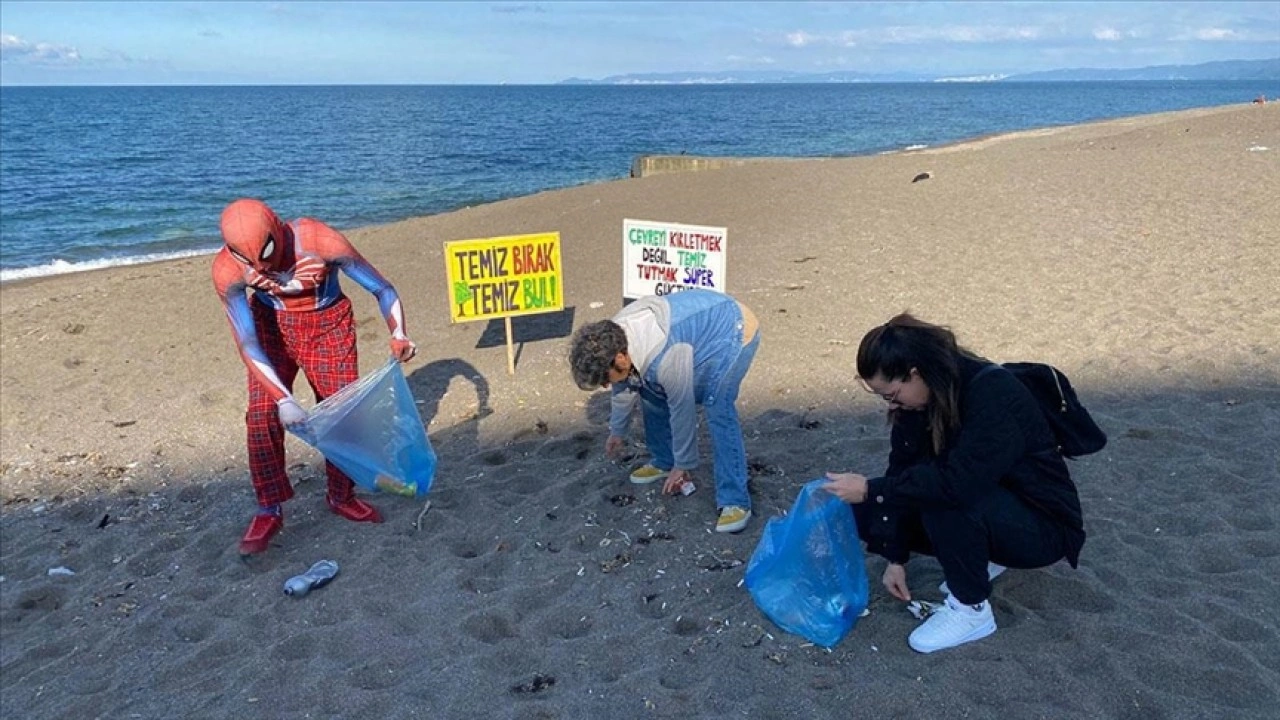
1140, 255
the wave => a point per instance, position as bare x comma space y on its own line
908, 148
62, 267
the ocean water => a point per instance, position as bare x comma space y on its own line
98, 176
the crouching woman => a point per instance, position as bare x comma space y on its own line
974, 477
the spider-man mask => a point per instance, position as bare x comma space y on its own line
254, 235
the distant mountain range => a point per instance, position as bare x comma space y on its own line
1222, 70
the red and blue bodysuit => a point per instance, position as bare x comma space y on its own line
278, 284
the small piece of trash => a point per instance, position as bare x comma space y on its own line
61, 570
922, 176
865, 612
1258, 148
597, 305
921, 609
417, 524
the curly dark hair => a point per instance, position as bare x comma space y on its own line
594, 348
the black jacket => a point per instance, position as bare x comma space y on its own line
1003, 441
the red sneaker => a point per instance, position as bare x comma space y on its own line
260, 532
355, 510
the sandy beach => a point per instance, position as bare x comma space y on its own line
1139, 255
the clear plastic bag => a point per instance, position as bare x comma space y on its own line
807, 573
372, 431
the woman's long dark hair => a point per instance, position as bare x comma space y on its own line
892, 350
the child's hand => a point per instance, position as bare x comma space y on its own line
614, 445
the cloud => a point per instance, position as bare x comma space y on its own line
1216, 34
209, 34
1262, 34
517, 9
1110, 34
14, 49
916, 34
761, 60
801, 39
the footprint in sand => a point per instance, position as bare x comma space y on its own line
1050, 593
533, 599
567, 624
680, 678
1252, 520
1218, 556
193, 630
578, 446
452, 499
488, 578
41, 600
653, 606
1218, 686
467, 548
529, 484
295, 648
378, 675
488, 628
493, 457
686, 626
192, 493
210, 399
1261, 547
147, 564
88, 681
1231, 625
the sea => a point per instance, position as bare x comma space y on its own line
98, 176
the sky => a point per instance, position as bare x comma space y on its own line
303, 43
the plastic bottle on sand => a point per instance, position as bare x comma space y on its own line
318, 576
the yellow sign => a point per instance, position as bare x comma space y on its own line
504, 276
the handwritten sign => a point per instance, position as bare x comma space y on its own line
504, 276
663, 258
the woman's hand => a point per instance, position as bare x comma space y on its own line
895, 581
613, 446
849, 487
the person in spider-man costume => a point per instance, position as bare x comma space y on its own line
279, 286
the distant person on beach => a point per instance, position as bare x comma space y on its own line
294, 316
974, 477
676, 352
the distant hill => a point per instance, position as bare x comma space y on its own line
728, 77
1222, 70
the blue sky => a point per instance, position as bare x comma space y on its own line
89, 43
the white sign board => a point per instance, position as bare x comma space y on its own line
661, 258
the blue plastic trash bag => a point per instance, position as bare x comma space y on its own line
807, 574
372, 431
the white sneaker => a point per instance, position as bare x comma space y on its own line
993, 572
953, 624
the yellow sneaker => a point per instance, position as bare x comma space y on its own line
646, 474
732, 519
